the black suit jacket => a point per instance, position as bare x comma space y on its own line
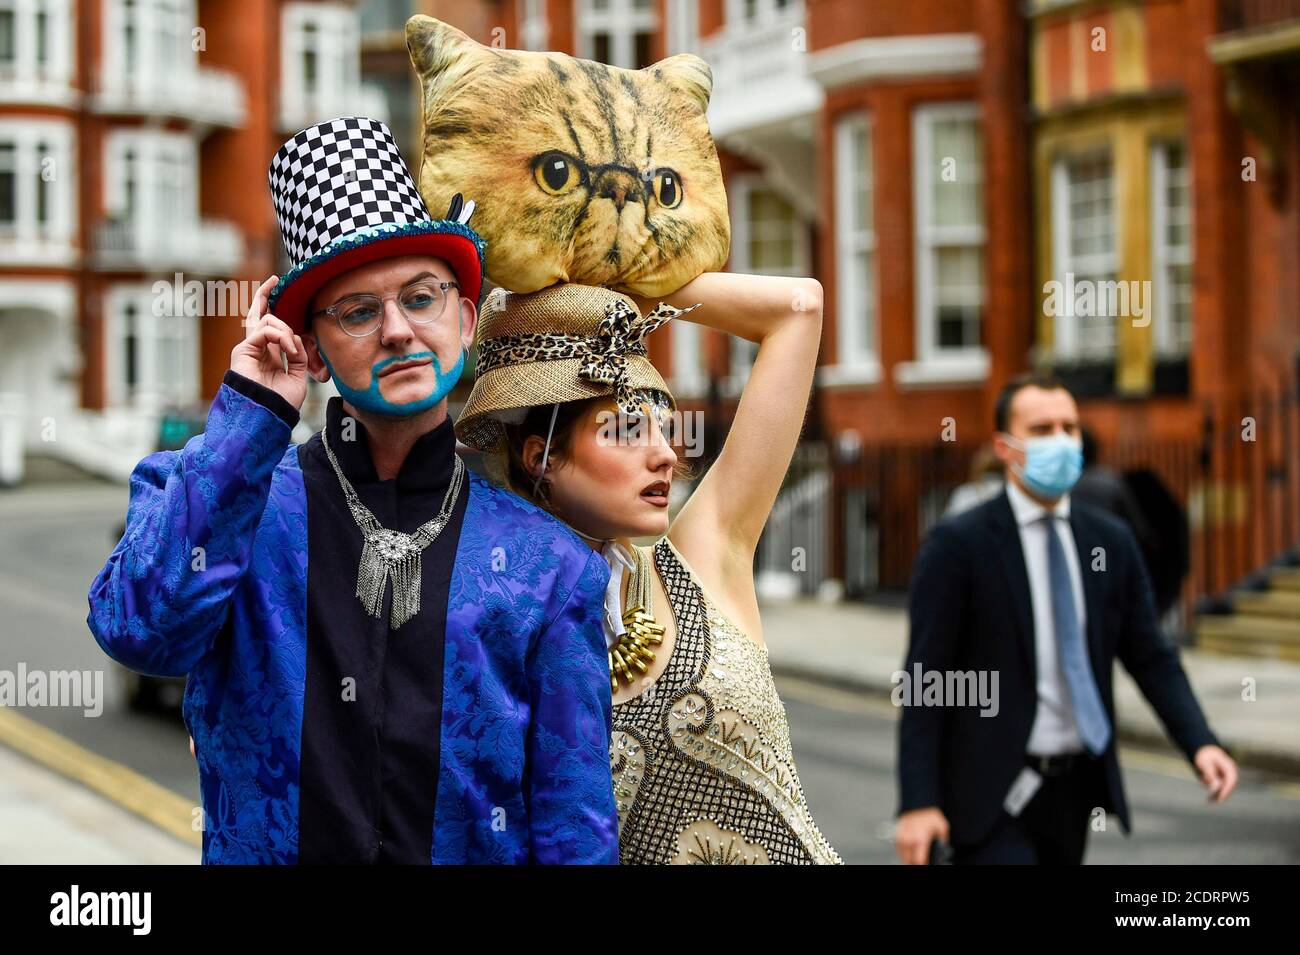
970, 609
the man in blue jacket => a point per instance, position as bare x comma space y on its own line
390, 660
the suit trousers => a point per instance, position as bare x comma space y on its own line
1052, 829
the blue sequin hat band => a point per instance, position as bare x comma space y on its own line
458, 244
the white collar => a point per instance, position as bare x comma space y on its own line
1026, 510
619, 559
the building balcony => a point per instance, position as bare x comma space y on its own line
205, 247
760, 74
1256, 30
36, 89
1258, 48
1257, 14
300, 111
28, 247
877, 59
206, 96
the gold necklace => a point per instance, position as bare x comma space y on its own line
640, 631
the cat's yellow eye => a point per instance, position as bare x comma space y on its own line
556, 172
667, 188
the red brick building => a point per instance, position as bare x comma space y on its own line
939, 165
134, 141
953, 171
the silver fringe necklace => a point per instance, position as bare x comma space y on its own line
391, 554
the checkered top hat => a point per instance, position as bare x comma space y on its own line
344, 198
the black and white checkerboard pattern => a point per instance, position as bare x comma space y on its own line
337, 177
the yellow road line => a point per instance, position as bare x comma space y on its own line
173, 813
138, 794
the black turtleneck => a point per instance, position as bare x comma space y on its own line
372, 711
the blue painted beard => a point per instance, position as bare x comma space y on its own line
373, 402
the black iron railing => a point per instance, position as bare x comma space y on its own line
1236, 484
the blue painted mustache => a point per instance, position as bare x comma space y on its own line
372, 401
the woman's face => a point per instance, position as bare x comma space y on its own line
614, 479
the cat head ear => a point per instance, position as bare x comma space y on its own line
435, 47
689, 73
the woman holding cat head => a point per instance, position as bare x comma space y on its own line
570, 408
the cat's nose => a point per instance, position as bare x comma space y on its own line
618, 186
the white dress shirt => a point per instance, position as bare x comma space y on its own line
1054, 731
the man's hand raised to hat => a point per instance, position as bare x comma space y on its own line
267, 341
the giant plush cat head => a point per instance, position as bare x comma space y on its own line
580, 172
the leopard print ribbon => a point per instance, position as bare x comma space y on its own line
604, 356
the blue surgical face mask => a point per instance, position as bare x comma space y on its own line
1053, 463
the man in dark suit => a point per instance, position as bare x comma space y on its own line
1040, 595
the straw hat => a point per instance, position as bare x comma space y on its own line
566, 342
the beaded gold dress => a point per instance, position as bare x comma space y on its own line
702, 765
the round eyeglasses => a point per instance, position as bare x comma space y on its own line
362, 314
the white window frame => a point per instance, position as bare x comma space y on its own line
152, 148
621, 20
1164, 257
1066, 344
534, 28
151, 69
27, 81
116, 390
765, 11
741, 351
386, 18
29, 242
934, 364
683, 26
151, 394
338, 60
690, 375
857, 342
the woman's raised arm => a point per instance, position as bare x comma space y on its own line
784, 316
